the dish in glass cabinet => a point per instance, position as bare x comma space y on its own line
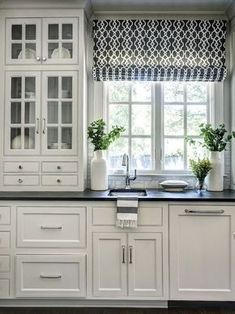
56, 53
63, 146
29, 54
16, 142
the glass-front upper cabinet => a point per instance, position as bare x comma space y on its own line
22, 113
60, 40
59, 114
23, 41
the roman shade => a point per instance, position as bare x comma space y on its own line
159, 50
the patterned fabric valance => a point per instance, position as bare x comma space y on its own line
159, 50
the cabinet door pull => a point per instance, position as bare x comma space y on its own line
58, 167
50, 276
43, 125
44, 59
123, 254
37, 126
20, 167
51, 227
20, 181
38, 59
197, 211
130, 248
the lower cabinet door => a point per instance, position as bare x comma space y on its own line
202, 242
109, 264
50, 276
145, 259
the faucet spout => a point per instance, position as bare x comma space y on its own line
126, 163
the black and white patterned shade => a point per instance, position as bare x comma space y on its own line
159, 50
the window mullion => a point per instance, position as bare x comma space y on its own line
185, 126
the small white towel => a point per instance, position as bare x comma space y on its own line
127, 212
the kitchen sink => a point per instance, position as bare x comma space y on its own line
128, 192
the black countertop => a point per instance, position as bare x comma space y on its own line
152, 195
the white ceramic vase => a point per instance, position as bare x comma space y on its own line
215, 178
99, 171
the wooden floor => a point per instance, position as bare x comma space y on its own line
200, 310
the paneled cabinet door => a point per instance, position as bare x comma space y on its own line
60, 40
109, 264
23, 41
59, 113
202, 248
22, 113
145, 269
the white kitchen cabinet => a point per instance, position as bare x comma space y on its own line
202, 252
127, 264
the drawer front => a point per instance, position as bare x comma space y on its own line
59, 167
21, 180
4, 288
21, 167
5, 215
4, 239
59, 180
4, 263
148, 216
50, 276
51, 227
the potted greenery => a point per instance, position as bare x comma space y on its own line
216, 141
101, 140
200, 169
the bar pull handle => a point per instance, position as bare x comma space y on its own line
131, 251
51, 227
50, 276
198, 211
123, 254
37, 126
43, 125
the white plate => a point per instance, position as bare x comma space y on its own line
29, 54
65, 54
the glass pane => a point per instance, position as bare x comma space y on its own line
174, 154
15, 138
30, 32
15, 112
119, 115
196, 92
66, 114
16, 51
16, 32
53, 31
53, 50
141, 119
29, 112
66, 142
196, 151
29, 138
30, 87
173, 92
52, 116
67, 50
141, 153
116, 151
196, 114
66, 87
16, 87
118, 91
141, 91
67, 31
173, 120
30, 51
52, 137
52, 87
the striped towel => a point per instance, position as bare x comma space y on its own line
127, 212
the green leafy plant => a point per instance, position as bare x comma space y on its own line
200, 169
97, 135
214, 139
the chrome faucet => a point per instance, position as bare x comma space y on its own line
126, 163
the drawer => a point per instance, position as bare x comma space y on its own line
4, 288
50, 276
59, 167
51, 227
148, 216
59, 180
4, 263
5, 215
4, 239
21, 180
21, 167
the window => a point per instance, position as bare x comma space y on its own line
157, 118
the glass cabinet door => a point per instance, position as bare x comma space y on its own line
23, 41
22, 113
59, 113
60, 40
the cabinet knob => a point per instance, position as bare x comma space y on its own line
44, 59
38, 59
20, 180
58, 181
59, 167
20, 167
